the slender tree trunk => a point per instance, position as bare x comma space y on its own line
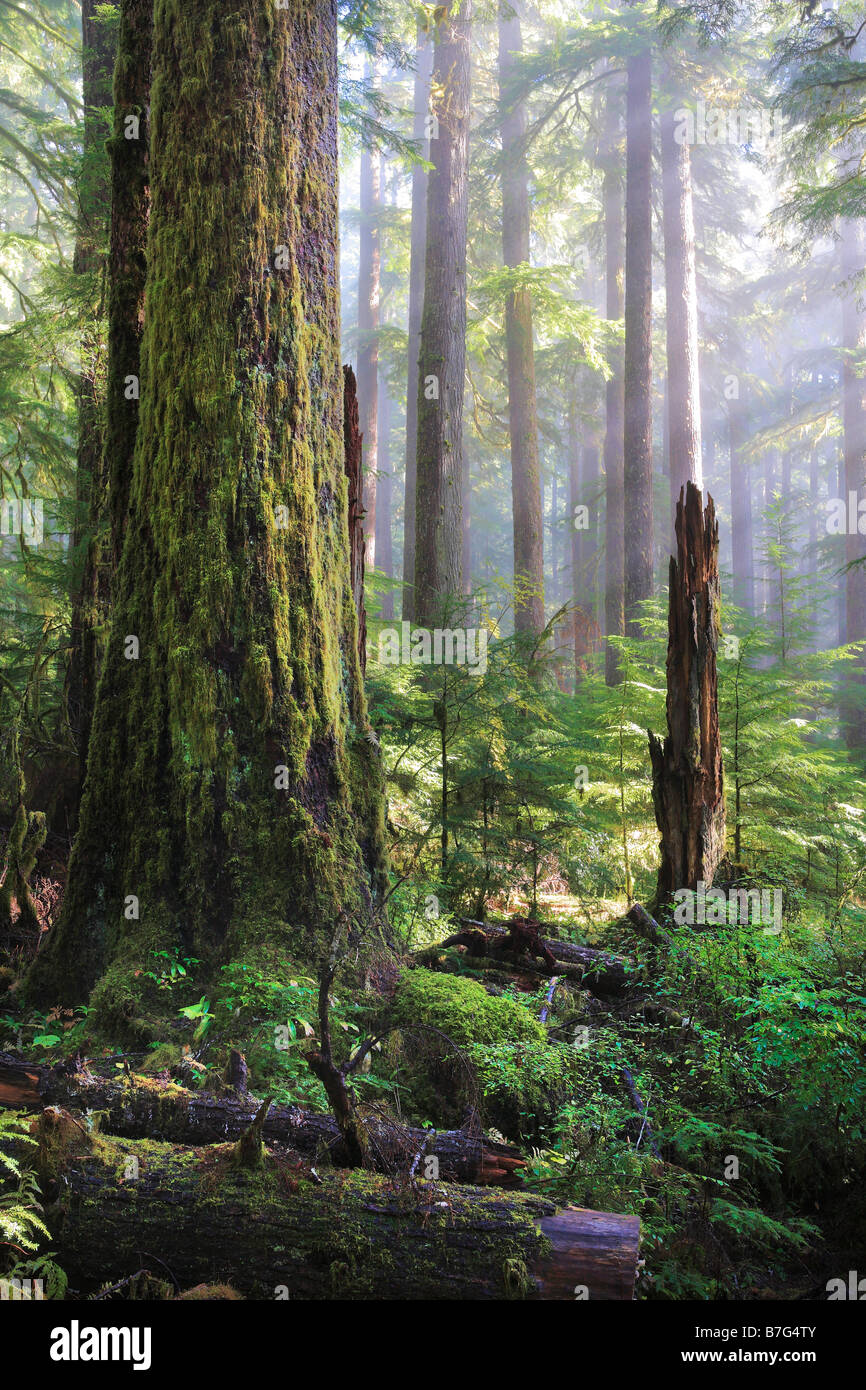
770, 491
688, 783
742, 538
369, 270
466, 523
854, 430
584, 480
232, 797
842, 604
681, 314
637, 434
614, 596
91, 595
522, 406
385, 492
417, 252
442, 361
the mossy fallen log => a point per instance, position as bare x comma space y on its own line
276, 1230
139, 1107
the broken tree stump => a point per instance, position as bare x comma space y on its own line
688, 785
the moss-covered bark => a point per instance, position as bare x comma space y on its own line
130, 211
274, 1232
232, 797
90, 588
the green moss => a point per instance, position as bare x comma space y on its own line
163, 1058
462, 1009
247, 632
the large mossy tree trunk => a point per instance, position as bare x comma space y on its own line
232, 797
442, 358
522, 404
90, 598
130, 213
688, 783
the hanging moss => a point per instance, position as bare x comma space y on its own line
246, 631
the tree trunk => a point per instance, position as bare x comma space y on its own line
681, 314
353, 455
369, 264
130, 214
688, 785
583, 477
147, 1108
276, 1230
90, 603
417, 253
384, 496
522, 406
614, 595
442, 359
854, 429
232, 797
742, 534
637, 431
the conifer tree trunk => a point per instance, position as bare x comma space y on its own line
90, 601
417, 253
742, 535
522, 406
614, 595
369, 270
681, 314
583, 481
688, 784
130, 213
442, 358
637, 433
853, 249
232, 800
384, 497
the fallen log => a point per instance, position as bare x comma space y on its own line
272, 1232
601, 971
649, 928
139, 1107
